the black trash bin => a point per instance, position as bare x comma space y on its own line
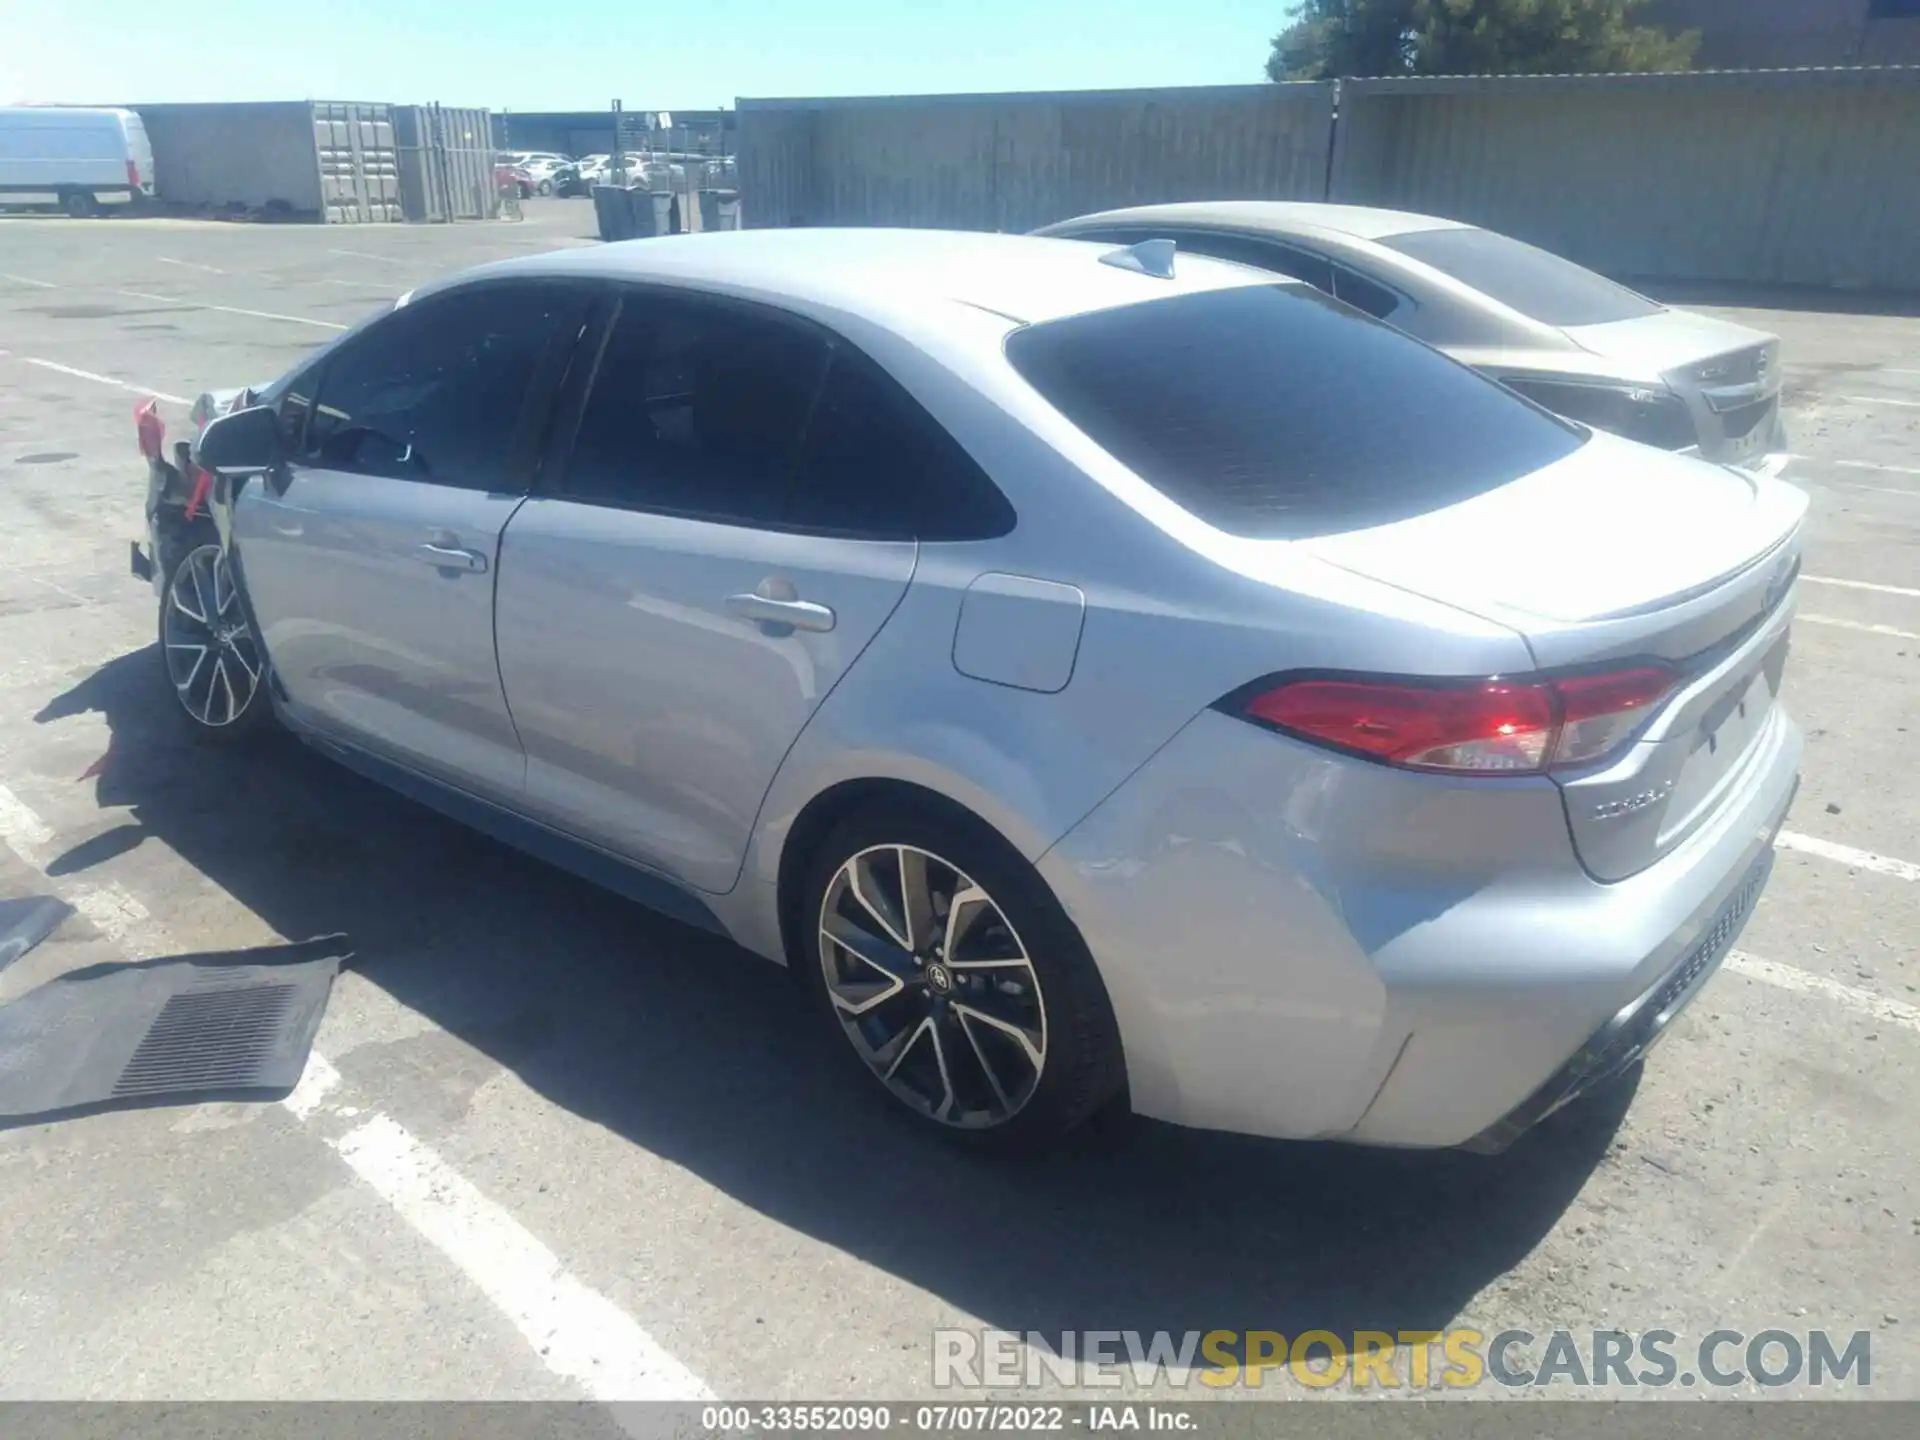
613, 212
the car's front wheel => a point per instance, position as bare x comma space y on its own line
954, 979
213, 659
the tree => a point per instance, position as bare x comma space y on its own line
1473, 37
1331, 38
1544, 37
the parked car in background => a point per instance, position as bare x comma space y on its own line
77, 159
1557, 333
509, 174
595, 170
1099, 671
550, 171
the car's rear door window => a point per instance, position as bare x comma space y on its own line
875, 465
1364, 294
1274, 411
696, 409
1523, 277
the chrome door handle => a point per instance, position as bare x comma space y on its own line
452, 557
782, 617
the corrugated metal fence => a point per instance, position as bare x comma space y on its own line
1011, 162
1805, 176
1802, 176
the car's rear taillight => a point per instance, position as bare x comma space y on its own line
1488, 727
133, 175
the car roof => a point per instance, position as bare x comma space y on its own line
1360, 221
877, 272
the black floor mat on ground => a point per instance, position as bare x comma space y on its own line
25, 923
233, 1026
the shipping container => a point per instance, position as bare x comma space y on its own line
331, 161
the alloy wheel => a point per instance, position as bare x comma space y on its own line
933, 986
212, 656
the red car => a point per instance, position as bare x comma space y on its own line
512, 177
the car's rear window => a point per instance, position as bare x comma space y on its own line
1273, 411
1523, 277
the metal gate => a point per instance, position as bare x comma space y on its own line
445, 162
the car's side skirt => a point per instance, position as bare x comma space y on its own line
589, 862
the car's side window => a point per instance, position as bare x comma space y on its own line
441, 390
697, 409
876, 465
1364, 294
1262, 255
296, 405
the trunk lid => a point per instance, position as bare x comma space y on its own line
1615, 535
1728, 375
1615, 554
1671, 340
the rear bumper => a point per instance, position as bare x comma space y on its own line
1304, 946
1625, 1039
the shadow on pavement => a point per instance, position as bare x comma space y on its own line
702, 1054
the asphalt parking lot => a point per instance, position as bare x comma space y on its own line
558, 1147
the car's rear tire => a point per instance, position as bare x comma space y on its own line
948, 972
546, 187
80, 204
212, 660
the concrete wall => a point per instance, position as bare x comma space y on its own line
1809, 178
1012, 162
1769, 34
248, 154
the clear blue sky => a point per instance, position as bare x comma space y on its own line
578, 54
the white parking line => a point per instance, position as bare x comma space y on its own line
369, 255
578, 1333
1860, 585
21, 829
1805, 982
1866, 465
1806, 619
187, 304
1879, 400
79, 374
28, 280
1847, 855
190, 264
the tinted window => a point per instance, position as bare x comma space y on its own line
1364, 294
1522, 277
876, 465
441, 392
1274, 411
696, 408
290, 415
1281, 259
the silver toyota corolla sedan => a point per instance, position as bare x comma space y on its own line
1098, 672
1556, 332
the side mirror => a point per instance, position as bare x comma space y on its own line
245, 442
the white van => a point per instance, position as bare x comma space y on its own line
77, 159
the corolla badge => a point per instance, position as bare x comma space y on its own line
1632, 804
